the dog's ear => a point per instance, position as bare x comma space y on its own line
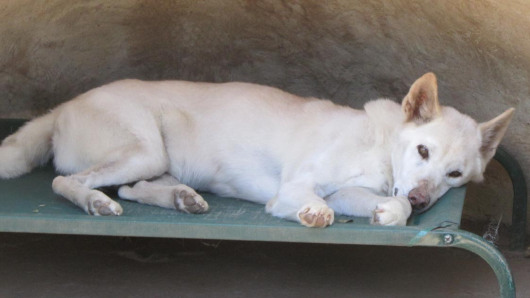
421, 103
492, 133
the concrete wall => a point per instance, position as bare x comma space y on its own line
348, 51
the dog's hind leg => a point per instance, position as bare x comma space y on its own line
135, 163
165, 191
94, 202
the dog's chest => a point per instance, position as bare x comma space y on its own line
377, 178
368, 169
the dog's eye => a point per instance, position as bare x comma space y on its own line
454, 174
423, 151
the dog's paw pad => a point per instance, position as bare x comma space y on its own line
389, 214
316, 217
189, 201
100, 205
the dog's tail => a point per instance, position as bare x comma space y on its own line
27, 148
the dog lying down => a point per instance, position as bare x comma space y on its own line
304, 158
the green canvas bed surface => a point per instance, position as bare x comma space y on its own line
28, 205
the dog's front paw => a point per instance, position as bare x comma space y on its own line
392, 213
101, 205
316, 216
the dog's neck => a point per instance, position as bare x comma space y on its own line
387, 121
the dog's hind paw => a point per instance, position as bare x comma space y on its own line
316, 216
392, 213
189, 201
100, 204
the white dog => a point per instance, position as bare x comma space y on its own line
304, 158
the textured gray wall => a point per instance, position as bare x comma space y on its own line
348, 51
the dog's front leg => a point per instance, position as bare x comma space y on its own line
298, 201
167, 192
358, 201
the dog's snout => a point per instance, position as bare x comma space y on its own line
417, 202
418, 198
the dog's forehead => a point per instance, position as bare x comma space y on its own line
458, 140
452, 132
459, 127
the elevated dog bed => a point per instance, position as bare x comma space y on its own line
28, 205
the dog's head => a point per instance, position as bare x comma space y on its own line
439, 147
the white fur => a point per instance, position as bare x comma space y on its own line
305, 158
